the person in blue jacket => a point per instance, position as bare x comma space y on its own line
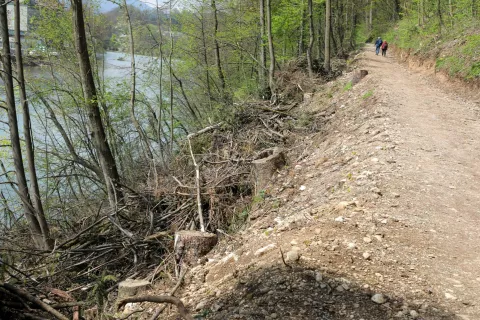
378, 44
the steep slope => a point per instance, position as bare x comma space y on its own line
376, 216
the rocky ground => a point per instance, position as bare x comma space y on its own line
375, 217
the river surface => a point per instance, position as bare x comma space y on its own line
114, 68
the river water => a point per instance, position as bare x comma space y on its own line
114, 69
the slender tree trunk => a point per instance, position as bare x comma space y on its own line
205, 60
271, 70
262, 66
160, 82
326, 64
7, 77
133, 86
440, 17
34, 189
370, 17
396, 10
170, 55
218, 61
312, 39
301, 43
107, 162
321, 34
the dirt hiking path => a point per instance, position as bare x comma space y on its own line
440, 175
376, 216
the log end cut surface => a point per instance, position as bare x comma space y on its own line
192, 245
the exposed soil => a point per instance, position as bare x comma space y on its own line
383, 199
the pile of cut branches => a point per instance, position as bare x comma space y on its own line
211, 174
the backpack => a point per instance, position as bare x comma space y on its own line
384, 45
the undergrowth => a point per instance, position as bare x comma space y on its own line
455, 47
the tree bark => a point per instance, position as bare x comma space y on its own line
370, 17
7, 77
104, 153
271, 70
262, 66
312, 39
160, 79
301, 44
326, 64
34, 188
218, 61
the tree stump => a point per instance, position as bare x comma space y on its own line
268, 163
130, 288
358, 75
191, 245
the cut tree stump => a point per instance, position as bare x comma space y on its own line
131, 287
358, 75
191, 245
268, 163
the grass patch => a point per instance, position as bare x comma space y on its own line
348, 86
368, 94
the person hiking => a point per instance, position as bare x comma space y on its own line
378, 44
384, 48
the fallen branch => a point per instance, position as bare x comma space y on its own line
197, 171
172, 293
25, 295
159, 299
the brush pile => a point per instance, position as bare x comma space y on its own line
135, 240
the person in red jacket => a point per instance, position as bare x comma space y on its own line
384, 48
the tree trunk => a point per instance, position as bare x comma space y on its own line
133, 85
160, 87
326, 64
321, 34
439, 14
218, 61
205, 60
34, 189
262, 66
107, 162
301, 44
170, 70
370, 17
312, 39
271, 70
7, 78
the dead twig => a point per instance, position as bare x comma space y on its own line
172, 293
283, 259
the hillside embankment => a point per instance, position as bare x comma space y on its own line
376, 215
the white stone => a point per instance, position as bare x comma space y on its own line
200, 305
367, 239
265, 249
293, 255
450, 296
379, 298
414, 314
351, 246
